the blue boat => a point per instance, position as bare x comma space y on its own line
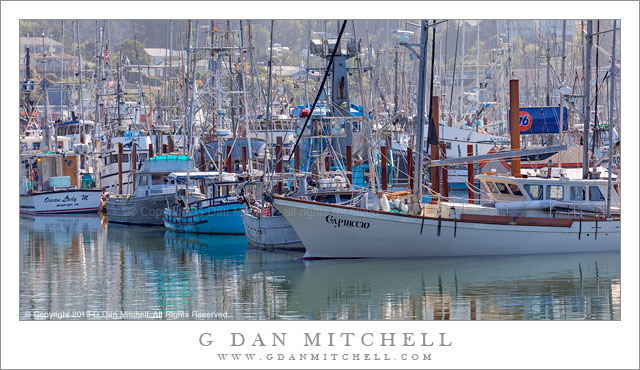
220, 213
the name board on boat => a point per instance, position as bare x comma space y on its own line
342, 222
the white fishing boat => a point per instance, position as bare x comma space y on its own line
154, 191
42, 192
516, 226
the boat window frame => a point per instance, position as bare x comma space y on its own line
599, 192
540, 194
158, 180
507, 192
548, 192
511, 186
143, 180
492, 187
574, 193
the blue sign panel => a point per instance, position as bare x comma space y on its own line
542, 120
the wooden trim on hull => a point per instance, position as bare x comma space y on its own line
508, 220
465, 218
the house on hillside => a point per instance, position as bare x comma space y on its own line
163, 56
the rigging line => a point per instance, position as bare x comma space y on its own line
431, 137
268, 113
453, 78
324, 80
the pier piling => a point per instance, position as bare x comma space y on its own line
435, 150
514, 123
445, 173
349, 164
119, 168
470, 174
383, 167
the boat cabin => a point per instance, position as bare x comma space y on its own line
35, 143
154, 176
53, 171
535, 195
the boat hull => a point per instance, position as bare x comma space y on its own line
138, 211
217, 219
331, 231
273, 232
61, 202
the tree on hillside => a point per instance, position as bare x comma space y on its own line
128, 50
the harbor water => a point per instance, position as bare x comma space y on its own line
84, 268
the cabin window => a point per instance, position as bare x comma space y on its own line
125, 158
577, 193
555, 192
158, 180
595, 194
502, 188
114, 158
515, 189
492, 187
144, 180
106, 161
325, 198
534, 191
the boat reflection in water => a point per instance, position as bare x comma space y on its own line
86, 265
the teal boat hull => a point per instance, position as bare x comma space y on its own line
216, 219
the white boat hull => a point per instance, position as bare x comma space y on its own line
331, 231
61, 201
273, 232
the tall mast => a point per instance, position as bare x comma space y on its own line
478, 60
61, 73
306, 70
99, 77
460, 108
548, 88
193, 90
417, 183
80, 102
596, 129
244, 94
190, 127
587, 110
611, 106
395, 81
45, 85
186, 95
269, 112
564, 56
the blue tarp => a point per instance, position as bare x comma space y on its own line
542, 120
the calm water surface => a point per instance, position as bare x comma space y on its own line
81, 267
